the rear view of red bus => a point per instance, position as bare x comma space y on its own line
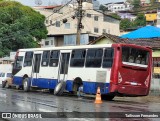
131, 70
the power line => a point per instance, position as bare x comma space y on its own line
59, 8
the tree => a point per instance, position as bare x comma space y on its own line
140, 20
136, 4
102, 8
20, 26
125, 24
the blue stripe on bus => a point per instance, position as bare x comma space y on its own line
88, 87
45, 83
17, 80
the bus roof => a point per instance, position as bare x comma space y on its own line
82, 47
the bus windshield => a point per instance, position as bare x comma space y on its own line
18, 62
134, 56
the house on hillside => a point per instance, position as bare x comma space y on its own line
127, 14
62, 24
145, 2
118, 6
151, 18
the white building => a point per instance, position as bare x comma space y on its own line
118, 6
62, 24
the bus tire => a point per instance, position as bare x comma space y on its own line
26, 86
4, 84
107, 97
51, 90
59, 88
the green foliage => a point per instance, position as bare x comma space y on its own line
139, 21
125, 24
136, 4
102, 8
115, 15
19, 27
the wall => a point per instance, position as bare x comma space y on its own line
151, 16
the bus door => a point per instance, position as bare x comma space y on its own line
63, 68
36, 69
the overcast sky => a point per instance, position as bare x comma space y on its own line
45, 2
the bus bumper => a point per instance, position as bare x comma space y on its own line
129, 90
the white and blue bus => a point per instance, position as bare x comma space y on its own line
106, 66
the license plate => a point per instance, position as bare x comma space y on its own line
133, 83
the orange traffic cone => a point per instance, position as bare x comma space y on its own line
98, 96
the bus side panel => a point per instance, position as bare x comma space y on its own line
17, 80
45, 83
69, 85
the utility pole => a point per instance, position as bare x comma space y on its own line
79, 22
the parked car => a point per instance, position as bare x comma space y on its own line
4, 76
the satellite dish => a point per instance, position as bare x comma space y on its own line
38, 2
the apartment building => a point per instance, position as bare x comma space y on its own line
61, 22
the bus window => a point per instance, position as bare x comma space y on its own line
18, 62
28, 59
108, 57
133, 55
94, 57
54, 58
78, 58
45, 58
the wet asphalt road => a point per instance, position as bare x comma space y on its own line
12, 100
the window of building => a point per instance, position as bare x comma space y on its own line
88, 15
45, 58
67, 25
69, 40
156, 61
104, 30
28, 59
51, 42
78, 58
46, 43
108, 31
96, 30
50, 22
57, 23
108, 58
54, 58
94, 58
96, 18
46, 21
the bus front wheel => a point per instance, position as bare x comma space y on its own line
26, 86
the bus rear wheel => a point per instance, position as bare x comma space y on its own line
26, 86
107, 97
